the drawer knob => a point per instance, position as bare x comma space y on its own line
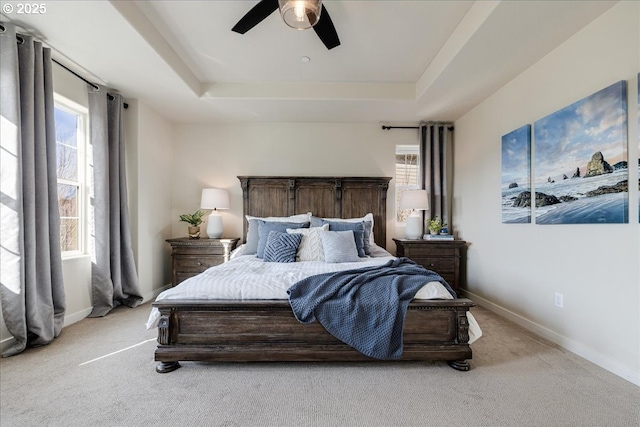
199, 263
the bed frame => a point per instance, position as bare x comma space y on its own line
266, 330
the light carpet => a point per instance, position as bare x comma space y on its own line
100, 372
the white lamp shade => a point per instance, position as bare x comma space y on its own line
300, 14
214, 198
414, 199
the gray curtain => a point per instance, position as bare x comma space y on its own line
436, 152
114, 279
31, 286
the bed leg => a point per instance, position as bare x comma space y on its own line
166, 367
459, 365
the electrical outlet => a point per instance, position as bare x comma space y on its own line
559, 300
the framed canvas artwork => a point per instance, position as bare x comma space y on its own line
581, 169
516, 176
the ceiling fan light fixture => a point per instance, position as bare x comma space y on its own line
300, 14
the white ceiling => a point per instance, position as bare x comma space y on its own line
399, 61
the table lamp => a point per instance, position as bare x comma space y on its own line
416, 200
214, 198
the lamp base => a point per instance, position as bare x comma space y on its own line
214, 226
413, 228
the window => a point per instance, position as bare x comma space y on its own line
407, 169
71, 144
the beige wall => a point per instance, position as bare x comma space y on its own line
149, 176
214, 155
516, 268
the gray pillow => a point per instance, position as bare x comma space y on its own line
281, 247
368, 225
339, 246
265, 227
358, 232
251, 245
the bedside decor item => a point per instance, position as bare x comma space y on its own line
194, 219
214, 198
191, 257
416, 200
446, 257
435, 225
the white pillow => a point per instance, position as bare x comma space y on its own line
310, 248
367, 217
252, 227
339, 246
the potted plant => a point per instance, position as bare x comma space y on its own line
435, 225
194, 219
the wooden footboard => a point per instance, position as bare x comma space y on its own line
261, 331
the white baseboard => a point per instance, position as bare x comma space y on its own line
150, 296
69, 319
6, 343
564, 342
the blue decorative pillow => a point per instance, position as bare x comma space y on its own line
368, 226
358, 232
265, 227
281, 247
339, 246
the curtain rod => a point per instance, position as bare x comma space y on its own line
399, 127
20, 40
93, 85
416, 127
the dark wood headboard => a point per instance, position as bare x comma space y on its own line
325, 197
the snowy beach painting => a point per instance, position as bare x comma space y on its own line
516, 176
581, 170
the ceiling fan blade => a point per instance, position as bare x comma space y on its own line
326, 31
256, 15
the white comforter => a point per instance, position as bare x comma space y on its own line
247, 277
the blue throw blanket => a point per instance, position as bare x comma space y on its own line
364, 308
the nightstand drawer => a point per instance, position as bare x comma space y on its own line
195, 264
428, 251
199, 250
439, 265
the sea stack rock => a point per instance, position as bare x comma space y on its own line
577, 173
597, 165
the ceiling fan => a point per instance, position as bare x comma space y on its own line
298, 14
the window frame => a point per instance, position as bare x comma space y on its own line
82, 146
399, 150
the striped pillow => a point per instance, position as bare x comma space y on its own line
281, 247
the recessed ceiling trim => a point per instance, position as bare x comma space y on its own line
472, 21
311, 91
147, 30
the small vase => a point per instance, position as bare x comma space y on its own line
194, 232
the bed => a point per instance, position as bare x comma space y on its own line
236, 327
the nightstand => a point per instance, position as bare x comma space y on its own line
447, 257
193, 256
